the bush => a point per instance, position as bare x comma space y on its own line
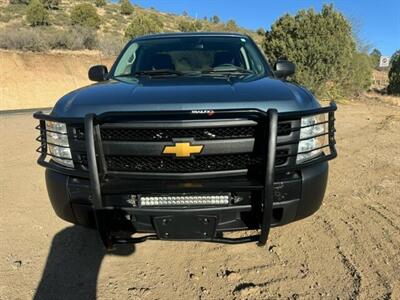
142, 25
189, 25
111, 45
394, 74
126, 7
360, 77
77, 38
321, 45
231, 26
100, 3
26, 39
375, 56
85, 15
36, 14
51, 4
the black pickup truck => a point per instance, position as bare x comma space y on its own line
189, 136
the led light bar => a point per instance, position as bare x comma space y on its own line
185, 200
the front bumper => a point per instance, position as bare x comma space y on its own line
295, 199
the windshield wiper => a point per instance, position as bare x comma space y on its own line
160, 72
227, 70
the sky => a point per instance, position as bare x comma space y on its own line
377, 23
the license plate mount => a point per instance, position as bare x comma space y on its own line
185, 227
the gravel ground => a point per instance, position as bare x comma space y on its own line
350, 249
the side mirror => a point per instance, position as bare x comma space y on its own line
98, 73
284, 68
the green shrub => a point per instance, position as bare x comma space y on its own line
375, 56
394, 74
155, 19
231, 26
100, 3
36, 14
321, 45
186, 25
51, 4
126, 7
142, 25
26, 39
360, 76
85, 15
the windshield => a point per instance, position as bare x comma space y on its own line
177, 56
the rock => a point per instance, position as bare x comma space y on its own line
17, 264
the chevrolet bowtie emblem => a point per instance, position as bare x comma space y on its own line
184, 149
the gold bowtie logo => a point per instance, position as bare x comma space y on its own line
184, 149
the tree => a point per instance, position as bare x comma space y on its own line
85, 15
394, 74
322, 46
36, 14
126, 7
215, 19
142, 25
375, 56
100, 3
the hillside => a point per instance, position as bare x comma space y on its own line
110, 33
35, 80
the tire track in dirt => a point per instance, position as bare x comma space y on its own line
358, 237
370, 262
352, 270
387, 219
381, 205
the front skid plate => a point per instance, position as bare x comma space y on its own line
185, 227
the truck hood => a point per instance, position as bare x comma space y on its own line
184, 93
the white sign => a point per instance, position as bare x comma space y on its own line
384, 61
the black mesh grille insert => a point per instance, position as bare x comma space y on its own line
166, 164
208, 163
167, 134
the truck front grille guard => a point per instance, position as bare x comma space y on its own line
96, 168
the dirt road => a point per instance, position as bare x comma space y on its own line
350, 249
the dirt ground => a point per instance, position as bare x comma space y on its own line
350, 249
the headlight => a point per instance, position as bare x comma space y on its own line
312, 135
57, 143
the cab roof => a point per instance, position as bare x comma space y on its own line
191, 34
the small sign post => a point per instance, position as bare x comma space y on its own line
384, 61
